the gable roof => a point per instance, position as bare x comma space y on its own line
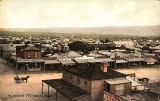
31, 48
73, 54
132, 47
92, 71
150, 60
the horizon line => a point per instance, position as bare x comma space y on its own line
74, 27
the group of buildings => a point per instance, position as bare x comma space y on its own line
91, 77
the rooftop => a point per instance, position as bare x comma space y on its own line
141, 96
92, 71
70, 91
117, 81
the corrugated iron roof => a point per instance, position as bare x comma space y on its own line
141, 96
117, 81
134, 59
121, 61
73, 54
51, 61
67, 62
68, 90
149, 60
101, 60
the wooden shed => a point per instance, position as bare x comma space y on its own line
118, 86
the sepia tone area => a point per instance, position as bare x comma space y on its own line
79, 50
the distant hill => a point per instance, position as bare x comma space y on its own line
112, 30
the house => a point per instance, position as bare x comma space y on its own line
120, 43
7, 49
151, 59
129, 48
28, 58
28, 52
84, 82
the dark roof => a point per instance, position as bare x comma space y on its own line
27, 47
22, 47
68, 90
142, 96
92, 71
31, 48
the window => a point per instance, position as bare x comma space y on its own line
70, 78
29, 54
78, 81
85, 84
36, 54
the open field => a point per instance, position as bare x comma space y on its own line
31, 91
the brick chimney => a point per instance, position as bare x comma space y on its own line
104, 66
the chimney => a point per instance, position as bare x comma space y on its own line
104, 66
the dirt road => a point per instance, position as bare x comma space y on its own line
30, 91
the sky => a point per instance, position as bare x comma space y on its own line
78, 13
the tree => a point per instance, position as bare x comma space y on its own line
77, 46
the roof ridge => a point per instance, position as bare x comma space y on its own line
92, 72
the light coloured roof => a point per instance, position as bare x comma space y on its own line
158, 51
20, 60
84, 57
150, 60
10, 47
106, 53
156, 47
101, 60
67, 62
119, 54
132, 47
124, 42
51, 61
134, 59
134, 83
117, 81
81, 60
94, 55
121, 61
73, 54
